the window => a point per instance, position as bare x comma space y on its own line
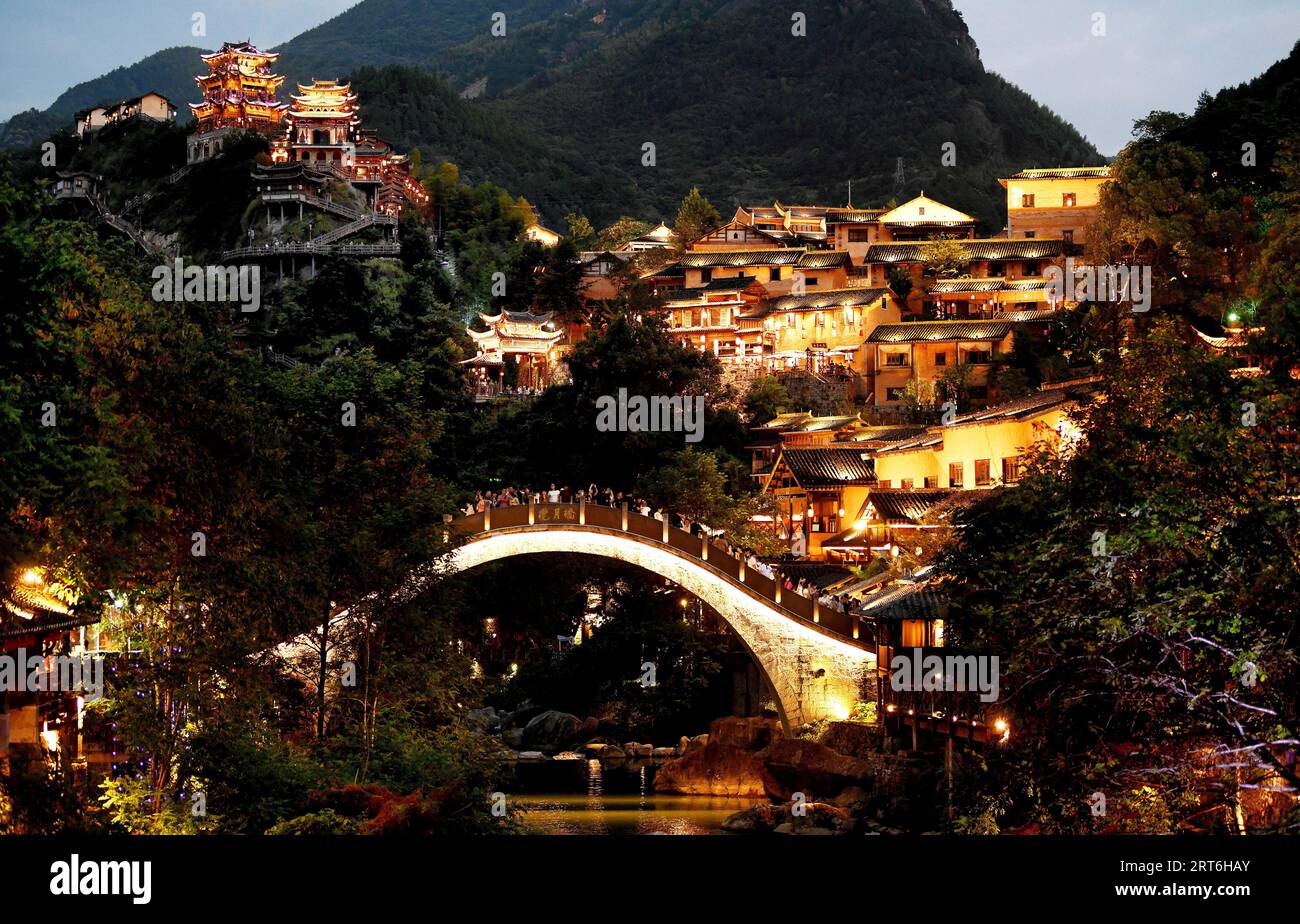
706, 275
1068, 200
1067, 235
941, 359
906, 484
956, 479
858, 236
1027, 201
982, 479
895, 359
883, 484
1029, 235
932, 481
1010, 469
774, 274
894, 394
979, 357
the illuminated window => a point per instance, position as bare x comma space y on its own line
906, 484
956, 478
932, 481
982, 478
1010, 469
1027, 201
1068, 200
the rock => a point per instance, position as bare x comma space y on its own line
757, 819
567, 755
854, 800
551, 730
664, 753
715, 770
613, 752
753, 733
531, 755
521, 716
483, 720
682, 744
811, 768
783, 828
696, 743
852, 738
513, 737
633, 749
590, 726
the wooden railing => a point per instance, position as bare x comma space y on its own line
842, 626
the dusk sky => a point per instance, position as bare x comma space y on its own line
1156, 54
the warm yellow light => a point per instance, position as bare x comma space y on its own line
31, 576
50, 738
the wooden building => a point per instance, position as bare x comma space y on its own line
238, 94
1058, 202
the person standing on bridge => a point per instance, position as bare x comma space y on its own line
553, 495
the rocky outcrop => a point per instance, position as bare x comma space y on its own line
551, 730
635, 749
804, 766
852, 738
752, 733
716, 770
695, 744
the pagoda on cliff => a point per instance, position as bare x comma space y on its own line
324, 132
238, 95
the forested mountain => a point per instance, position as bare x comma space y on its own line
732, 99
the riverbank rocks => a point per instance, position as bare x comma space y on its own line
791, 818
567, 755
855, 739
695, 744
664, 753
531, 755
590, 727
804, 766
551, 730
752, 733
716, 770
682, 744
635, 749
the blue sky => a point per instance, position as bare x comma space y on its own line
1156, 54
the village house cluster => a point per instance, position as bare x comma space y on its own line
879, 300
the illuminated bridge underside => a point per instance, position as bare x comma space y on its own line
814, 674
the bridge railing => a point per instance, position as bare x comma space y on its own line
621, 519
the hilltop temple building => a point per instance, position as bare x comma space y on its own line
238, 95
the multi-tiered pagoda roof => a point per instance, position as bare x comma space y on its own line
239, 89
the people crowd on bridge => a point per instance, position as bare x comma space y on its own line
510, 496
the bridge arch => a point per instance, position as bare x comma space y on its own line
815, 667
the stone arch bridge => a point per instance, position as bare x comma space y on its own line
810, 656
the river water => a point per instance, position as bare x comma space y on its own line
618, 797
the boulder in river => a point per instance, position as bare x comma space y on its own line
551, 730
696, 743
664, 753
532, 755
634, 749
798, 765
716, 770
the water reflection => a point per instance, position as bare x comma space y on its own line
588, 797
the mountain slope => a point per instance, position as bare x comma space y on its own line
732, 101
739, 106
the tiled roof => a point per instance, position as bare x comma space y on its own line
965, 284
816, 424
922, 331
828, 298
1028, 406
852, 216
1021, 317
1060, 173
783, 421
714, 258
827, 467
904, 506
824, 259
926, 440
988, 249
906, 601
886, 434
